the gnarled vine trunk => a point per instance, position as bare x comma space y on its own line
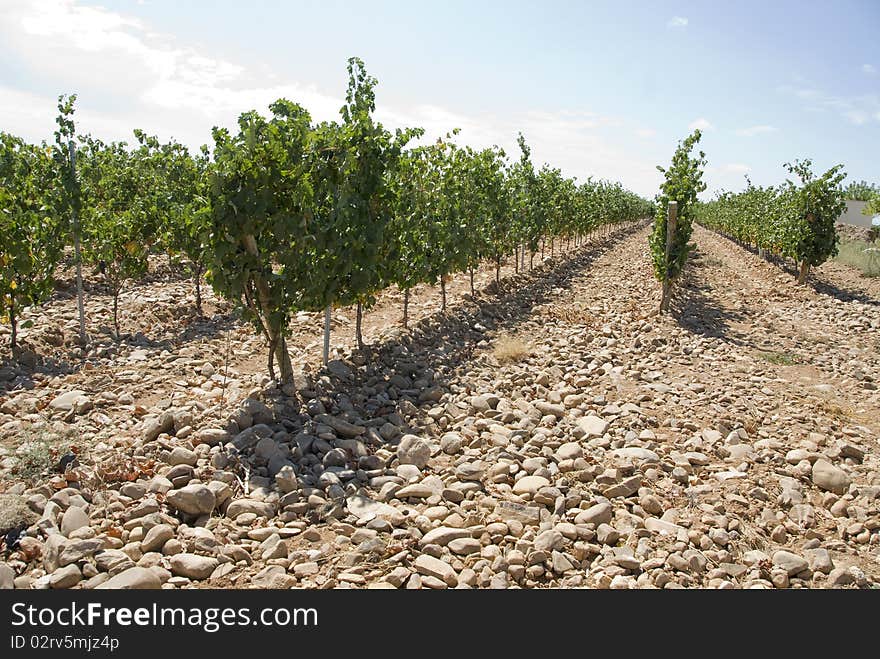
274, 326
804, 272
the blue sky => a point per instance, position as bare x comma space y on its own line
599, 88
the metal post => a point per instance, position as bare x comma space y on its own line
76, 252
327, 334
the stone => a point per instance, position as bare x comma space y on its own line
155, 426
443, 535
135, 490
193, 566
607, 535
258, 508
628, 562
549, 408
272, 577
625, 488
366, 509
73, 518
286, 479
791, 563
113, 561
65, 402
840, 576
182, 456
341, 426
451, 443
530, 484
434, 567
560, 563
513, 511
549, 540
192, 500
258, 411
413, 450
420, 490
636, 454
593, 426
156, 537
830, 478
65, 577
339, 369
210, 436
651, 504
819, 560
601, 513
470, 471
485, 402
273, 547
306, 569
662, 526
465, 546
76, 550
570, 451
135, 578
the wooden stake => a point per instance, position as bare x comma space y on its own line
671, 221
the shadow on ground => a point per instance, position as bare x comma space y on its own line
696, 311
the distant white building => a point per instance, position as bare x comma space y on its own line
853, 214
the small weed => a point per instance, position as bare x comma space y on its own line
509, 349
834, 411
781, 358
39, 454
860, 255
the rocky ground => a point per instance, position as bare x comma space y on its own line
852, 232
555, 432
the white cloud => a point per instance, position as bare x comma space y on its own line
857, 110
677, 21
735, 168
870, 69
127, 77
751, 131
702, 123
857, 117
646, 133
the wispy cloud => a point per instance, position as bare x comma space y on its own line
702, 123
858, 117
857, 110
870, 69
735, 168
677, 22
752, 131
646, 133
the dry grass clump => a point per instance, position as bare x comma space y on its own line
14, 512
509, 349
575, 313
